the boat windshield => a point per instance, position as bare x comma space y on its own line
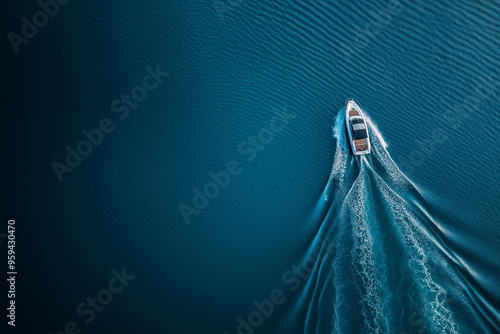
358, 129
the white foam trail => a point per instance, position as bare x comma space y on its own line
339, 320
379, 151
414, 237
374, 130
406, 224
338, 125
338, 172
363, 258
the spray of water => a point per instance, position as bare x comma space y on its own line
359, 227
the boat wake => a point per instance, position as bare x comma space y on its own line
391, 272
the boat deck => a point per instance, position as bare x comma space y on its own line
360, 145
353, 112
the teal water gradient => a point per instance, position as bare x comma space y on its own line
415, 237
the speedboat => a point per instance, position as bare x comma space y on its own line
357, 130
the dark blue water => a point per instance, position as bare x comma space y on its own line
301, 236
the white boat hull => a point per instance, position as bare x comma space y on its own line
352, 112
